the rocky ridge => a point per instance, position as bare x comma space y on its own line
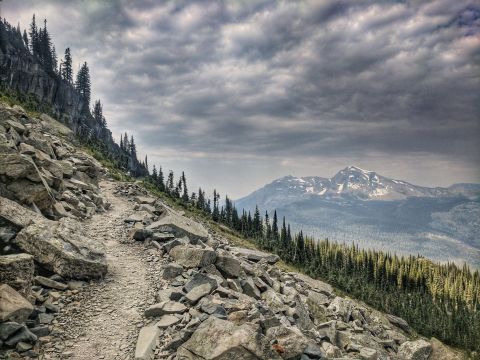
175, 289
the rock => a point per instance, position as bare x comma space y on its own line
255, 255
302, 316
173, 293
45, 318
32, 193
158, 236
40, 331
316, 285
146, 342
24, 335
49, 283
179, 339
341, 308
289, 341
368, 354
61, 248
273, 301
198, 292
18, 166
145, 200
192, 257
415, 350
8, 328
331, 351
328, 330
398, 322
17, 215
313, 351
199, 279
316, 304
221, 339
18, 127
250, 289
23, 346
165, 307
134, 218
16, 270
179, 226
211, 308
13, 306
167, 321
171, 271
142, 234
228, 266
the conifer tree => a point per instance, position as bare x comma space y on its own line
170, 183
83, 84
185, 190
216, 210
66, 71
25, 38
146, 163
33, 36
154, 175
161, 180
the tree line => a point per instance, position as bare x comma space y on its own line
440, 300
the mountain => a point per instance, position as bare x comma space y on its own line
374, 211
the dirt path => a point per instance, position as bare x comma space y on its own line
102, 321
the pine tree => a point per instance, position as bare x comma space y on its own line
154, 175
25, 38
161, 180
67, 72
33, 37
146, 163
98, 112
83, 84
170, 183
185, 190
216, 210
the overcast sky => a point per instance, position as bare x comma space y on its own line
240, 93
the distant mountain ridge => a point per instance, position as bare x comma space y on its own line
361, 206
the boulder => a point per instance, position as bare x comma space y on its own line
17, 215
36, 194
8, 328
341, 308
255, 255
289, 342
145, 200
23, 335
167, 321
198, 292
142, 234
443, 352
17, 270
192, 257
61, 248
222, 340
398, 322
200, 279
273, 301
228, 266
146, 342
13, 306
415, 350
17, 166
316, 304
165, 307
179, 226
171, 271
49, 283
250, 289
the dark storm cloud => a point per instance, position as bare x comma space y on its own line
280, 78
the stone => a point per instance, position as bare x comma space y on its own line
398, 322
61, 248
165, 307
221, 340
331, 351
158, 236
302, 315
171, 271
23, 346
16, 270
8, 328
18, 127
36, 194
13, 306
134, 218
289, 340
40, 331
228, 266
368, 354
340, 307
250, 289
173, 293
211, 308
443, 352
192, 257
198, 292
273, 300
17, 215
167, 321
314, 284
146, 342
45, 318
328, 330
179, 226
179, 339
313, 351
49, 283
199, 279
316, 305
415, 350
144, 200
17, 166
24, 335
142, 234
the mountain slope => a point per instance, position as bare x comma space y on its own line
374, 211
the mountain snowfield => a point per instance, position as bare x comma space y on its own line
374, 211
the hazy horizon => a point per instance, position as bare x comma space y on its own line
240, 94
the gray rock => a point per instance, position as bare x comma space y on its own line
179, 226
220, 339
199, 279
250, 289
165, 307
167, 321
340, 307
316, 304
142, 234
13, 306
45, 318
171, 271
398, 322
289, 339
158, 236
415, 350
145, 200
172, 293
228, 266
273, 300
8, 328
17, 215
16, 270
146, 342
61, 248
49, 283
210, 308
192, 257
24, 335
198, 292
40, 331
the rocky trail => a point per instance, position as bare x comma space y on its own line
104, 321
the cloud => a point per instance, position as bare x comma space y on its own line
281, 82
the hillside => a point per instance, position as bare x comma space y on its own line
167, 284
374, 211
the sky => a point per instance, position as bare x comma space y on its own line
240, 93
